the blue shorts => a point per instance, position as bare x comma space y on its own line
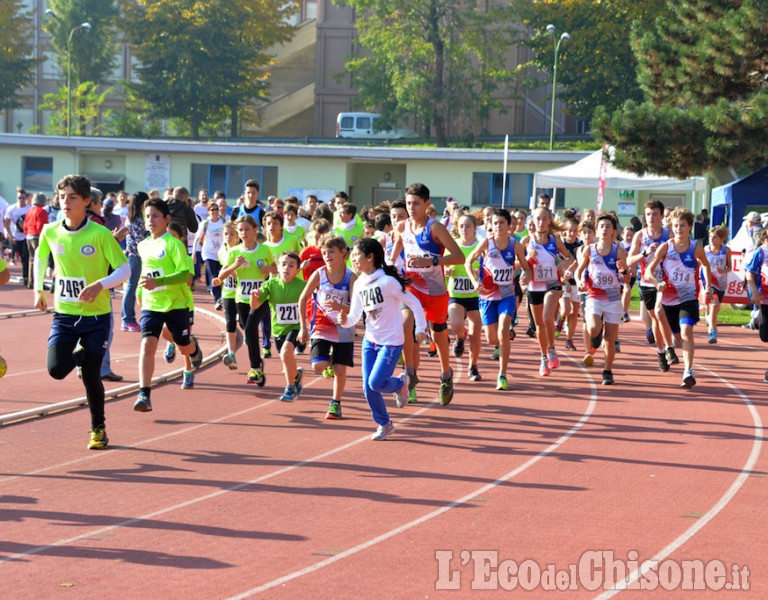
91, 332
177, 321
491, 309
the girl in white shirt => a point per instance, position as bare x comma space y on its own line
380, 291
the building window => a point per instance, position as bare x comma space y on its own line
38, 173
231, 179
487, 189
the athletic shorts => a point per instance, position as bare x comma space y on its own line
490, 310
291, 336
343, 352
631, 283
537, 298
648, 296
91, 332
719, 293
177, 321
435, 307
571, 291
686, 313
610, 311
469, 304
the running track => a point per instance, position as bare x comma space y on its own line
224, 492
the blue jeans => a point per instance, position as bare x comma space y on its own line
129, 298
212, 268
106, 367
379, 363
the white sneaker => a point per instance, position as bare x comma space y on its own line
383, 431
402, 395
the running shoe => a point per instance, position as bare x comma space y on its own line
663, 364
132, 327
218, 305
99, 439
672, 356
197, 356
334, 410
625, 318
170, 353
230, 360
256, 376
383, 431
617, 346
588, 360
142, 403
432, 349
558, 326
530, 332
267, 353
412, 399
328, 372
569, 345
445, 393
401, 395
607, 377
414, 380
3, 366
688, 380
495, 355
553, 362
474, 374
512, 335
187, 380
289, 394
458, 347
297, 380
650, 337
501, 383
712, 337
544, 368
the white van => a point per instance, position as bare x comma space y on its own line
367, 126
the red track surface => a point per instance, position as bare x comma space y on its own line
225, 492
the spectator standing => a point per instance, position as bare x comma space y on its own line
34, 221
136, 233
14, 228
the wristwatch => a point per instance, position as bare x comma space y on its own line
435, 260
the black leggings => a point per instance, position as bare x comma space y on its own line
249, 321
60, 364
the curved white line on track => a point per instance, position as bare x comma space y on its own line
435, 513
716, 508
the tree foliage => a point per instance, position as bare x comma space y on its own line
94, 52
87, 101
199, 59
16, 66
440, 63
703, 70
596, 67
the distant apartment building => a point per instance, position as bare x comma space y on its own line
307, 85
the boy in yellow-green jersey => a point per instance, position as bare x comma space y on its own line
349, 226
251, 263
83, 252
165, 296
228, 293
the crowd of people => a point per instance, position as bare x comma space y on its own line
302, 274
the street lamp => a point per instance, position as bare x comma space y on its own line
86, 27
557, 41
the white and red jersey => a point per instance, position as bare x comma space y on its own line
646, 242
428, 280
325, 322
603, 281
497, 271
718, 263
544, 273
680, 274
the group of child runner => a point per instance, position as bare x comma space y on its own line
415, 279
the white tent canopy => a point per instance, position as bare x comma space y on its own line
585, 174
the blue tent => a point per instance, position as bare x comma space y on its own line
731, 201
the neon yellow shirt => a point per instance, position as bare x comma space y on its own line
161, 258
229, 285
250, 277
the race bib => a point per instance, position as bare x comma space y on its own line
287, 314
605, 281
507, 276
543, 273
154, 274
250, 285
679, 277
463, 284
68, 288
372, 298
230, 283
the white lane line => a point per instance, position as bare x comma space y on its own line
712, 512
435, 513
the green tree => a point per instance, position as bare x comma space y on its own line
440, 63
87, 101
15, 48
703, 70
94, 53
198, 58
596, 67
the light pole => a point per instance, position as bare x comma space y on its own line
87, 27
557, 41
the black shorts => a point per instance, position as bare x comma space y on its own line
631, 283
288, 337
343, 352
469, 304
648, 296
719, 293
537, 298
92, 332
686, 313
177, 321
